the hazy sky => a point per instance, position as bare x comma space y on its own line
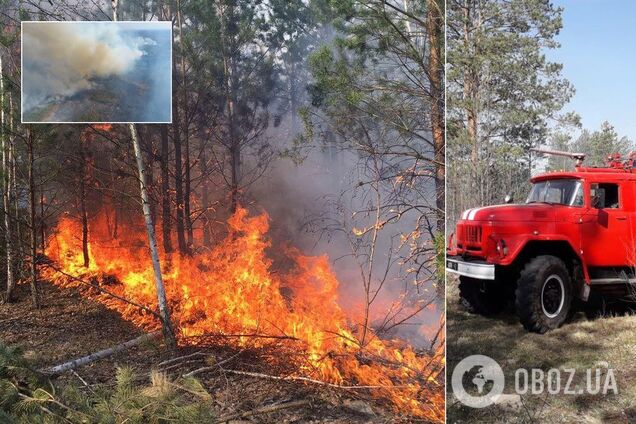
599, 58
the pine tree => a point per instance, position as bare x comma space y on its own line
502, 94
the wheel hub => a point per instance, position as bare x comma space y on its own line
552, 296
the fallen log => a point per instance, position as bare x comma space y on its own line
262, 410
213, 367
180, 358
310, 380
247, 335
101, 354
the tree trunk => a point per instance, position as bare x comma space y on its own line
235, 154
146, 141
6, 194
234, 145
42, 224
166, 218
104, 353
35, 298
293, 100
470, 93
164, 312
207, 234
178, 174
235, 148
82, 199
435, 23
13, 187
186, 138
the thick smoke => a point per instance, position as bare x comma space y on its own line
296, 196
60, 59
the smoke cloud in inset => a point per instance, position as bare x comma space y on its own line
63, 58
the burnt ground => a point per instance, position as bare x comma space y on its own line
70, 326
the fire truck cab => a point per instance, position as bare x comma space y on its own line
574, 233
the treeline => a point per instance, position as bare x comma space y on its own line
505, 98
597, 146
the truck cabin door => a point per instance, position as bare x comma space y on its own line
606, 238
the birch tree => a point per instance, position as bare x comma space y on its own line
6, 192
164, 311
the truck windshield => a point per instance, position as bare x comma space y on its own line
559, 191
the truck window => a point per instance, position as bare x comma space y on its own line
558, 191
605, 196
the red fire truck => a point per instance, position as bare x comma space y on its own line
574, 233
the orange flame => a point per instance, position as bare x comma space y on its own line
103, 127
231, 290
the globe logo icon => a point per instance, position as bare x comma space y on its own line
477, 381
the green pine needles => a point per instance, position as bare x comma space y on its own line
27, 396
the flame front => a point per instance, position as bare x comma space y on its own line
232, 290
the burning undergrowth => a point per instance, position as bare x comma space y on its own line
233, 291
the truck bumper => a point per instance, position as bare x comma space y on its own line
473, 269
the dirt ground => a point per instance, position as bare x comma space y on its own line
582, 343
70, 326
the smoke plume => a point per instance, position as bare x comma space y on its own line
60, 59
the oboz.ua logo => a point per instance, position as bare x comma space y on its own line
477, 381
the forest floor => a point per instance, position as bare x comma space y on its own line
580, 344
70, 326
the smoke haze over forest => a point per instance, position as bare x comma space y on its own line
96, 72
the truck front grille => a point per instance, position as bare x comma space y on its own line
469, 234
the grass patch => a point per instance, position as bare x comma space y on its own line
580, 344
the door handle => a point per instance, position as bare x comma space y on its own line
621, 218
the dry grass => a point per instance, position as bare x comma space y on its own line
580, 344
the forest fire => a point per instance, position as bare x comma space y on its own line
233, 290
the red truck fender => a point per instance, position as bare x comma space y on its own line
519, 243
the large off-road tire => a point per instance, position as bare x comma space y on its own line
544, 294
482, 297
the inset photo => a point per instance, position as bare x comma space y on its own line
96, 72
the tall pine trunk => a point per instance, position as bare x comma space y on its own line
228, 85
42, 224
178, 174
471, 96
435, 29
205, 196
82, 201
166, 218
33, 278
14, 194
235, 148
6, 194
186, 138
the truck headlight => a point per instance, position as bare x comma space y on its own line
502, 249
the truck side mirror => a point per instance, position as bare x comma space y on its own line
508, 198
